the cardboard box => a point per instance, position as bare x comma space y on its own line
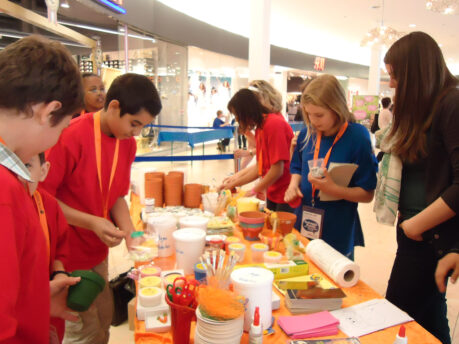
131, 313
290, 269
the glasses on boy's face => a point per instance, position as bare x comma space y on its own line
97, 90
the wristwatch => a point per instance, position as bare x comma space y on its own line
58, 272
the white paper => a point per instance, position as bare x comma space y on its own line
341, 174
369, 317
339, 268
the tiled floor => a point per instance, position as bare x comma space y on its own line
375, 259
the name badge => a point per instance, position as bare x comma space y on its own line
312, 222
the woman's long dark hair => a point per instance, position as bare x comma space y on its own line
422, 78
247, 109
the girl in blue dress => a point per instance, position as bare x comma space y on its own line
331, 133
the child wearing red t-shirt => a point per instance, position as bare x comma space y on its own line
40, 89
273, 137
54, 227
90, 176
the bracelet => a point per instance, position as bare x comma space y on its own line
57, 272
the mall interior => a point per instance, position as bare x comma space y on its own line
199, 53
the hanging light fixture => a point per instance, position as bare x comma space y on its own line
65, 4
381, 35
443, 6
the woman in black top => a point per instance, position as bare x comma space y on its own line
425, 135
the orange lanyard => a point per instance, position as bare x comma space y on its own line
98, 145
43, 222
327, 156
82, 112
2, 141
260, 149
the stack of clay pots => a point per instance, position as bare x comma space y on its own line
173, 188
154, 182
192, 195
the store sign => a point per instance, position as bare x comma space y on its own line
114, 5
319, 63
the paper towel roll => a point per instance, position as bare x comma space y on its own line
339, 268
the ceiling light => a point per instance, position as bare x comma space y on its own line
412, 25
443, 6
65, 4
384, 35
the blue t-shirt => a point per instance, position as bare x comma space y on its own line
217, 123
341, 227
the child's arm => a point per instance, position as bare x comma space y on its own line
293, 191
120, 214
103, 228
351, 194
274, 173
243, 177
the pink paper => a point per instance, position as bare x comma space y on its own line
329, 331
307, 323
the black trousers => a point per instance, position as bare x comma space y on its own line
273, 206
412, 286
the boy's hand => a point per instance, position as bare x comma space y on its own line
107, 232
58, 289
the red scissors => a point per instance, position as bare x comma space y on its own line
185, 292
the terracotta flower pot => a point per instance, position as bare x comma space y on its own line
192, 195
154, 189
173, 189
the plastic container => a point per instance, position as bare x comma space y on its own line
189, 245
315, 168
257, 252
231, 240
216, 241
170, 278
82, 295
245, 204
149, 205
181, 318
150, 281
271, 239
194, 222
239, 249
200, 273
272, 257
162, 228
150, 296
148, 270
255, 284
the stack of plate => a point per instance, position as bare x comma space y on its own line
209, 331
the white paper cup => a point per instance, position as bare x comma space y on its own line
189, 245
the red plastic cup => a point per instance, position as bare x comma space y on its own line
181, 318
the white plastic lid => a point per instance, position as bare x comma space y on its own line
162, 221
189, 234
193, 221
252, 277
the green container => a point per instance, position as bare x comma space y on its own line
83, 294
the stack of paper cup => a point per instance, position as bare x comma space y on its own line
255, 284
189, 245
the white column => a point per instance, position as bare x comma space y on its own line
259, 53
374, 76
280, 83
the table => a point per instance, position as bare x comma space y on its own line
359, 293
193, 136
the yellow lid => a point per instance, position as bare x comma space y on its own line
150, 271
170, 278
260, 246
232, 239
150, 281
150, 291
273, 254
236, 246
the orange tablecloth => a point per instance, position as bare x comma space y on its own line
359, 293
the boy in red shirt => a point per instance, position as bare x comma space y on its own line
40, 88
90, 175
54, 226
